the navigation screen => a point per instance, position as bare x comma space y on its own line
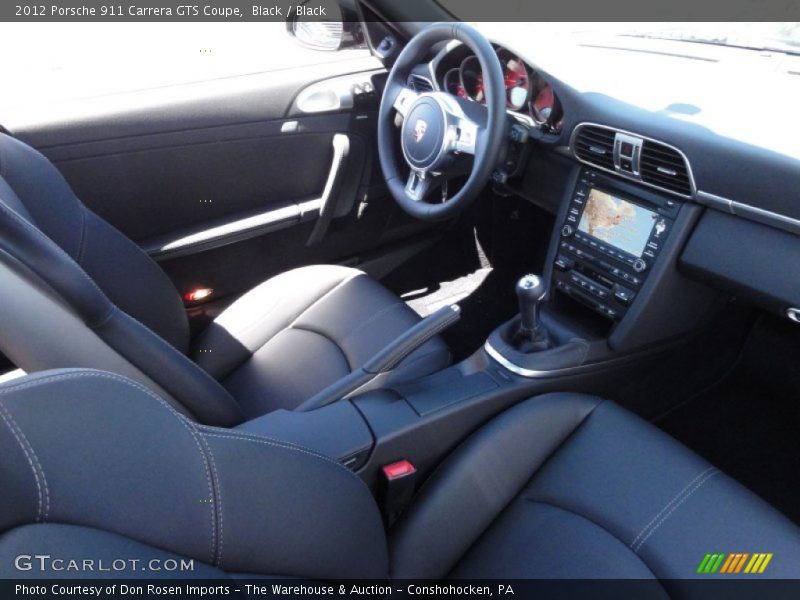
617, 222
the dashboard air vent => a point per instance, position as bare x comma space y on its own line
664, 167
595, 145
419, 84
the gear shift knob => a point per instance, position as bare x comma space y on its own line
530, 292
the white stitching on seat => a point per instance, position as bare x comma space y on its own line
279, 444
195, 430
325, 295
218, 489
598, 524
263, 439
668, 505
208, 432
8, 420
82, 240
3, 162
322, 334
211, 430
696, 487
371, 320
285, 446
180, 357
263, 317
111, 376
39, 233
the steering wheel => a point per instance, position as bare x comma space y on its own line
442, 135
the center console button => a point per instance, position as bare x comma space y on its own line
623, 295
562, 263
639, 265
567, 231
626, 149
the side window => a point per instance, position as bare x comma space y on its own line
86, 60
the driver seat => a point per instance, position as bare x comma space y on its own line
75, 292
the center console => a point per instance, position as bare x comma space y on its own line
610, 303
610, 239
614, 289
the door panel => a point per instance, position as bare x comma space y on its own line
199, 156
247, 156
154, 192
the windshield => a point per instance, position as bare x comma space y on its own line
782, 37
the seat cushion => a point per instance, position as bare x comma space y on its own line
570, 486
94, 465
300, 331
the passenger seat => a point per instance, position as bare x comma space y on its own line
561, 486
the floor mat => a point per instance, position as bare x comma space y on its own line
486, 297
748, 425
426, 301
476, 265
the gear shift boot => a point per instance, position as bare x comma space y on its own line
527, 344
531, 336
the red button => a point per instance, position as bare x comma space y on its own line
398, 469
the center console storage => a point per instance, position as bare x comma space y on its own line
419, 421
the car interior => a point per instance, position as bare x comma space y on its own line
453, 305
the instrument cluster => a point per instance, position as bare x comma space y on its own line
527, 93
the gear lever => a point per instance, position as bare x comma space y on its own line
531, 335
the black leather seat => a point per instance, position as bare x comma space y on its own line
560, 486
116, 310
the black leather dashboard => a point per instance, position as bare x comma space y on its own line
745, 160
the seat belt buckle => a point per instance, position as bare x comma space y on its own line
398, 480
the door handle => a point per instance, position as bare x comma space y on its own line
328, 202
336, 94
325, 96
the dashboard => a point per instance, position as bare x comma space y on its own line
655, 119
528, 93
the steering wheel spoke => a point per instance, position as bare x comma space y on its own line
404, 99
466, 138
419, 184
466, 127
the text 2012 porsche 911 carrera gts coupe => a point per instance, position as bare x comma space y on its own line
377, 298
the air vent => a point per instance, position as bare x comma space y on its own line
664, 167
633, 157
595, 145
419, 84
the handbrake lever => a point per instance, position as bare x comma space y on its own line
386, 360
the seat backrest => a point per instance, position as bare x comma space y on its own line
55, 253
126, 274
94, 465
